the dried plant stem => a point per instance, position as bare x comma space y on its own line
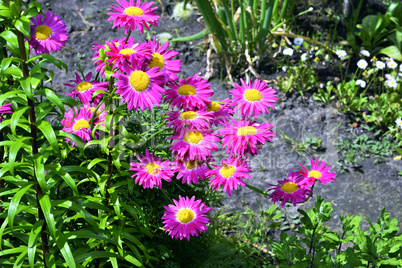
32, 117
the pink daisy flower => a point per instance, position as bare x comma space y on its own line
100, 113
317, 172
289, 189
139, 87
162, 58
192, 145
120, 51
222, 113
78, 123
47, 33
230, 174
131, 15
190, 171
243, 137
85, 89
253, 98
192, 93
5, 109
186, 218
195, 120
151, 171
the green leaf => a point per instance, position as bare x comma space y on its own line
16, 115
14, 71
392, 51
40, 171
48, 132
46, 206
15, 201
65, 176
15, 147
24, 26
32, 242
12, 42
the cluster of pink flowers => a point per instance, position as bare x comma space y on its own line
298, 186
144, 74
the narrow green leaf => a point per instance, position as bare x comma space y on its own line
32, 242
40, 171
49, 134
46, 206
14, 71
65, 176
15, 201
65, 250
20, 259
16, 117
13, 154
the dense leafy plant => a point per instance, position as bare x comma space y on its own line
380, 246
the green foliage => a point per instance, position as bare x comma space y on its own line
348, 96
299, 78
303, 147
354, 151
319, 246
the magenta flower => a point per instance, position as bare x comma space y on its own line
5, 109
317, 172
243, 137
85, 89
47, 33
194, 92
230, 174
190, 171
131, 15
191, 145
98, 62
120, 51
186, 218
139, 87
195, 120
222, 113
289, 189
254, 98
78, 122
151, 171
162, 58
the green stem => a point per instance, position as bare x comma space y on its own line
32, 117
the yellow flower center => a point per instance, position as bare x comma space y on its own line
139, 80
84, 86
315, 174
246, 131
191, 164
153, 168
400, 123
80, 124
134, 11
157, 61
188, 115
126, 51
252, 95
193, 137
43, 32
186, 90
227, 171
214, 107
185, 215
289, 187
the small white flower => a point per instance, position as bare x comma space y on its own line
180, 14
164, 37
298, 41
399, 122
304, 56
321, 85
388, 76
392, 64
380, 65
391, 83
362, 64
365, 53
341, 53
400, 68
284, 69
288, 51
361, 83
399, 75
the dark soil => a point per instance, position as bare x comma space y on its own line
362, 191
